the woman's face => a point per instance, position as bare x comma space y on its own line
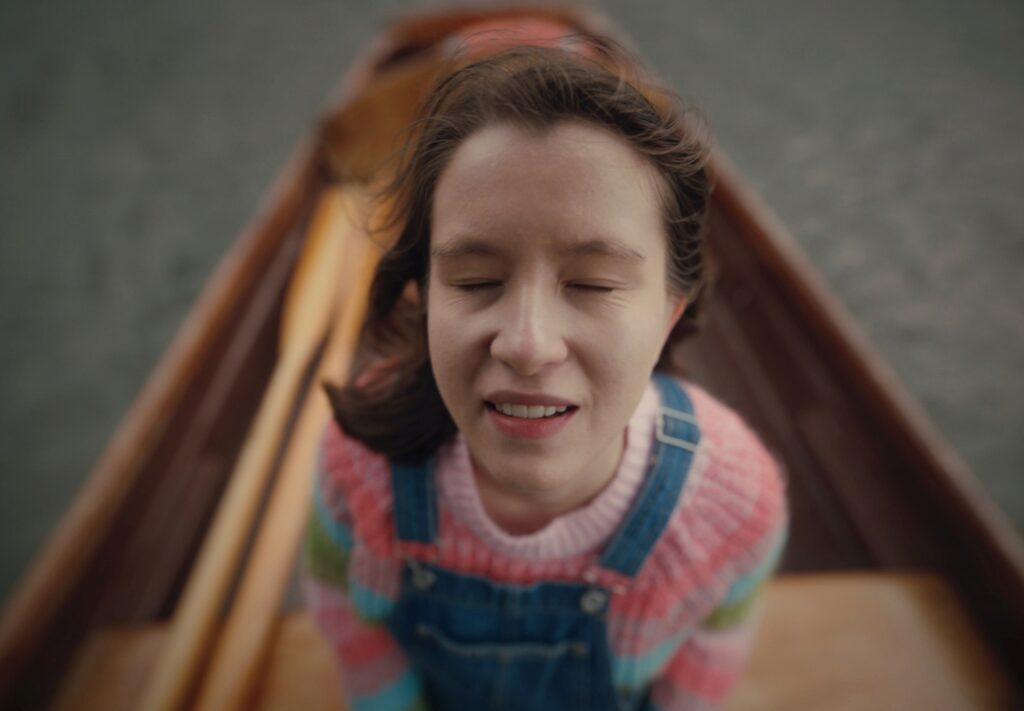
547, 304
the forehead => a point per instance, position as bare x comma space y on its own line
571, 183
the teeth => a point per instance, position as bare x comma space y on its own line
529, 412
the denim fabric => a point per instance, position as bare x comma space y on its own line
485, 645
414, 501
672, 453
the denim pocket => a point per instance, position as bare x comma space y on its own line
534, 675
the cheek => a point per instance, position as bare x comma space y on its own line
437, 340
621, 355
448, 347
637, 334
628, 357
435, 333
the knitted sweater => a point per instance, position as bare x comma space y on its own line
682, 627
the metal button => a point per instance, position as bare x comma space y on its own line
593, 601
423, 579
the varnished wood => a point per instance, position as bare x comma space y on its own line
847, 430
837, 641
877, 641
309, 309
240, 651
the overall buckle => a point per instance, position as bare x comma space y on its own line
666, 438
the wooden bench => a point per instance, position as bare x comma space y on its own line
832, 641
844, 641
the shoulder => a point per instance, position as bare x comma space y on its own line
732, 512
353, 482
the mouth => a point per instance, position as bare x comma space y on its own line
532, 422
528, 412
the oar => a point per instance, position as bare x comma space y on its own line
253, 619
308, 311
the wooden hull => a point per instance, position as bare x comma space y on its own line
872, 486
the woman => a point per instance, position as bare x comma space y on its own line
511, 511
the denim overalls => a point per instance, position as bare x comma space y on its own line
482, 646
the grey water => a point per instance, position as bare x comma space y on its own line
136, 139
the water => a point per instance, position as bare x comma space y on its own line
136, 140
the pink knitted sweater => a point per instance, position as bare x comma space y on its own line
681, 628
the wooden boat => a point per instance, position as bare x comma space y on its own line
902, 582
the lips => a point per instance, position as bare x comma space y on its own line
528, 415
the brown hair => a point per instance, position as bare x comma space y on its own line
391, 401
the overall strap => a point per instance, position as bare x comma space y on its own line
415, 501
676, 440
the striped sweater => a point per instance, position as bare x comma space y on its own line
682, 628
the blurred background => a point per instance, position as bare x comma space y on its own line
136, 139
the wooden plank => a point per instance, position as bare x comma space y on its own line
184, 488
240, 650
301, 672
846, 641
869, 641
814, 415
821, 535
111, 668
745, 376
309, 309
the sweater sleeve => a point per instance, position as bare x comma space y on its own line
350, 588
711, 660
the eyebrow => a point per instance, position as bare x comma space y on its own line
601, 246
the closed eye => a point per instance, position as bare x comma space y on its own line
595, 288
477, 285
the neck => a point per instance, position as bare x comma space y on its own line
522, 512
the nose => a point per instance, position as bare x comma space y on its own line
529, 336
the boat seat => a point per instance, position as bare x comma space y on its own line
837, 641
845, 641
